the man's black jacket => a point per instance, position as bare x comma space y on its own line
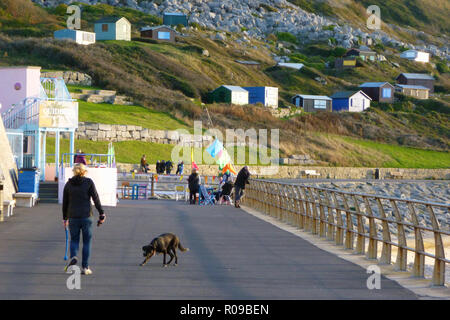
242, 178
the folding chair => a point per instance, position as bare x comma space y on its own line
178, 190
207, 198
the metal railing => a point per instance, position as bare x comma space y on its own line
27, 110
161, 184
344, 217
92, 160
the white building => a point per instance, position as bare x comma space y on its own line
80, 37
416, 55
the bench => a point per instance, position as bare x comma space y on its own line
396, 175
311, 173
25, 199
8, 207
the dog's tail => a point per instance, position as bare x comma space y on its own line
183, 249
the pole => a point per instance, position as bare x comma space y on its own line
153, 185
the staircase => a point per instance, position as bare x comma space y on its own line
48, 192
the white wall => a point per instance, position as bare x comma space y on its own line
240, 98
105, 180
272, 97
358, 103
28, 85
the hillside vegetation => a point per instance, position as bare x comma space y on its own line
175, 78
430, 16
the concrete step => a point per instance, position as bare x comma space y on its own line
88, 91
94, 98
106, 92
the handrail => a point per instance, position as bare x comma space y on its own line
341, 216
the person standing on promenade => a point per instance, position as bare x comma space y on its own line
77, 214
239, 185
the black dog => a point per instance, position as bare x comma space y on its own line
166, 243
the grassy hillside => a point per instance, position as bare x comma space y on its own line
427, 15
131, 115
171, 79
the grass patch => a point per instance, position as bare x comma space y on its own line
405, 157
131, 151
78, 88
131, 115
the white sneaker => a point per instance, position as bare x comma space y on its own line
86, 271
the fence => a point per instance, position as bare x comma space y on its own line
154, 184
333, 214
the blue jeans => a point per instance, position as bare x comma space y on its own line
238, 192
76, 226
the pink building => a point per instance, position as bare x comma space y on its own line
18, 83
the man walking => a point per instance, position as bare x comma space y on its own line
239, 185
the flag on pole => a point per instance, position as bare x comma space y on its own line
228, 167
194, 165
215, 148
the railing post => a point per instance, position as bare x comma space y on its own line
386, 251
301, 206
439, 265
360, 238
331, 228
339, 221
372, 251
419, 259
322, 226
349, 225
153, 186
402, 253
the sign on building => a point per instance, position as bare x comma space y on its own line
58, 114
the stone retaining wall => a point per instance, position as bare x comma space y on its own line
295, 172
116, 132
70, 77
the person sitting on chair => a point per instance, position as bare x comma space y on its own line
226, 192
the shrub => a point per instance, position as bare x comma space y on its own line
178, 84
286, 36
442, 67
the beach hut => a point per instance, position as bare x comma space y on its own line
312, 103
418, 92
350, 101
417, 79
113, 28
230, 94
416, 55
161, 33
379, 91
78, 36
174, 19
267, 96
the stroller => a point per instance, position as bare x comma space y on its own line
205, 197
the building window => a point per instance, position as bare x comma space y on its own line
387, 93
320, 104
104, 27
163, 35
351, 102
372, 58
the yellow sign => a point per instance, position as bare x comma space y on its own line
349, 62
58, 114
